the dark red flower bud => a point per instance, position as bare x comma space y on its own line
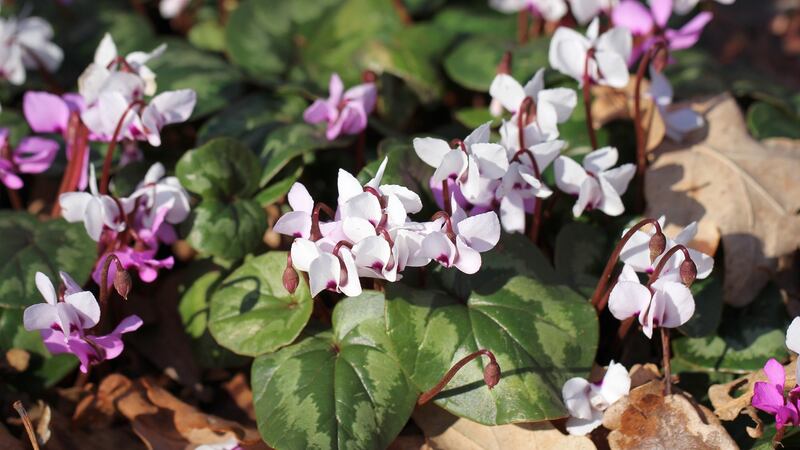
491, 374
658, 243
122, 282
290, 279
688, 272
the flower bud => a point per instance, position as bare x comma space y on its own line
688, 272
658, 243
290, 279
491, 374
122, 282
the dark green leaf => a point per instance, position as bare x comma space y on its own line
473, 63
29, 246
475, 117
291, 141
222, 169
766, 121
580, 255
252, 118
708, 307
335, 390
185, 67
251, 311
208, 35
228, 230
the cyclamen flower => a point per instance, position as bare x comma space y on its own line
344, 111
769, 396
552, 106
586, 401
157, 191
685, 6
793, 341
601, 59
666, 303
63, 324
94, 210
32, 155
636, 252
108, 64
550, 10
678, 121
652, 25
596, 184
586, 10
25, 43
171, 8
462, 239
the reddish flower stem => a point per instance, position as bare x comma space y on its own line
14, 198
77, 137
522, 26
112, 145
448, 205
316, 234
434, 391
664, 259
641, 151
525, 116
602, 283
402, 12
665, 362
587, 98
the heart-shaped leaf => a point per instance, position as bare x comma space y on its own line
747, 338
185, 67
251, 311
227, 223
335, 390
29, 246
765, 120
541, 334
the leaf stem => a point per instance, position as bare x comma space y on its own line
433, 392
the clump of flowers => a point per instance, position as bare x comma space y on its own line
370, 235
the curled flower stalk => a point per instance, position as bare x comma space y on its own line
491, 375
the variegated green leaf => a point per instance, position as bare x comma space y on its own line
251, 311
541, 334
335, 390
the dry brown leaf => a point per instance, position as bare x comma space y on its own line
645, 418
444, 431
724, 179
17, 359
611, 104
161, 420
239, 390
728, 407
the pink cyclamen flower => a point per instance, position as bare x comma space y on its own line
32, 155
769, 397
665, 303
50, 113
345, 111
651, 24
63, 322
586, 401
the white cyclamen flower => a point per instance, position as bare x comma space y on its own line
94, 210
596, 184
586, 401
607, 54
678, 121
26, 43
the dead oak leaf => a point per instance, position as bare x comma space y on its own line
724, 179
444, 431
645, 418
611, 104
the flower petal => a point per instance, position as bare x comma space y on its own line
628, 299
45, 287
569, 175
575, 394
295, 224
324, 273
480, 232
431, 150
508, 91
86, 306
616, 383
304, 252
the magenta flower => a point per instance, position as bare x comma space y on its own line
91, 350
32, 155
345, 111
651, 25
50, 113
769, 397
63, 321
